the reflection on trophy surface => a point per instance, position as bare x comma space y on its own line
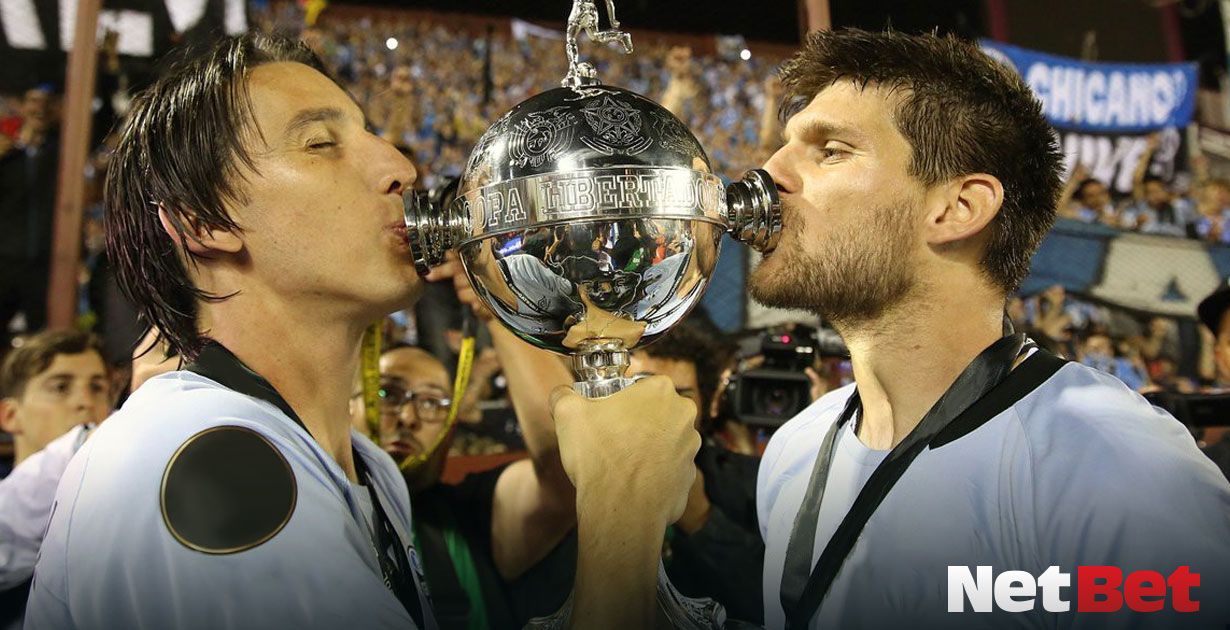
588, 217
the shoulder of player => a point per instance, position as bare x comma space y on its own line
792, 449
227, 488
215, 465
1084, 420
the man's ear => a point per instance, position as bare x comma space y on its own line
966, 206
196, 237
10, 415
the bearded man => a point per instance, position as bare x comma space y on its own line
917, 178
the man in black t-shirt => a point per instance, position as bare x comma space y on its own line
479, 534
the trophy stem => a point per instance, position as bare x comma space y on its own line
601, 365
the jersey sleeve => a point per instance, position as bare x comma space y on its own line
114, 557
1124, 486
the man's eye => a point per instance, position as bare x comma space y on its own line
322, 144
832, 152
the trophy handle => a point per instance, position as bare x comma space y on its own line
431, 230
754, 211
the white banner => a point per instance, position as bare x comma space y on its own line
522, 29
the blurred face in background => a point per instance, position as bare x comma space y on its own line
36, 106
400, 82
73, 390
1156, 194
681, 372
414, 404
1095, 195
1221, 349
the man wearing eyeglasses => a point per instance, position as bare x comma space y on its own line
477, 537
415, 395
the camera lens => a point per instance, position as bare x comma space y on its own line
778, 401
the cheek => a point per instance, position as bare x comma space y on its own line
428, 433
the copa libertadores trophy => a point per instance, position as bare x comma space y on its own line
588, 218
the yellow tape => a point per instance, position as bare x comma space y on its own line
464, 362
370, 360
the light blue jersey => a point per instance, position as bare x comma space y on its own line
121, 552
1080, 471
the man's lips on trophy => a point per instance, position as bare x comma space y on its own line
398, 230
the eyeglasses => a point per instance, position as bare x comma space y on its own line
429, 406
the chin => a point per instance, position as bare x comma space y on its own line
773, 289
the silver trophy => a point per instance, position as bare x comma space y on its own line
588, 218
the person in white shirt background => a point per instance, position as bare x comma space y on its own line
53, 390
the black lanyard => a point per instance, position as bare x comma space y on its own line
803, 588
218, 364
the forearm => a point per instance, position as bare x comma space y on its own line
617, 565
531, 374
673, 98
1138, 175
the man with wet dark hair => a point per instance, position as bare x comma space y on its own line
257, 223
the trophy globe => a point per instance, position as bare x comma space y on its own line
589, 220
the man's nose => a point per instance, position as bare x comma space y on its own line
409, 419
778, 168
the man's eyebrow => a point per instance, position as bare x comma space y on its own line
313, 115
814, 129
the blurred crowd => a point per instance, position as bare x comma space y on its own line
433, 91
1193, 206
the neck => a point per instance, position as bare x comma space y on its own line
21, 450
309, 358
904, 361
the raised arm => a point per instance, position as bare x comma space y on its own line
534, 504
630, 456
1142, 167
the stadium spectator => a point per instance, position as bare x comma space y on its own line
1154, 208
27, 200
53, 390
53, 382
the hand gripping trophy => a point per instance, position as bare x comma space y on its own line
588, 218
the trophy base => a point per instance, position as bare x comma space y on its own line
602, 388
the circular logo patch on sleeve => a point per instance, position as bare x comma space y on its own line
227, 489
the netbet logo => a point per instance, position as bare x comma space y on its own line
1098, 589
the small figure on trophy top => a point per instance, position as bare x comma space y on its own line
584, 16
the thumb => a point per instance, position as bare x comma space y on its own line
562, 395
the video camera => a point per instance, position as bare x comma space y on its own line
1197, 411
771, 393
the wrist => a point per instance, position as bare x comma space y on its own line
620, 508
